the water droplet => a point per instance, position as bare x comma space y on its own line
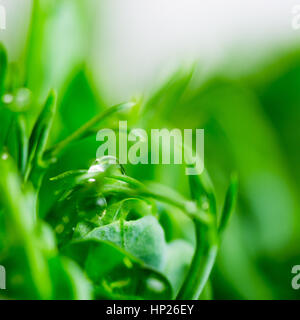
191, 206
96, 168
205, 205
23, 97
7, 98
102, 164
155, 285
4, 156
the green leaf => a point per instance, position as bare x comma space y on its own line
179, 257
18, 205
229, 204
16, 142
68, 280
206, 240
202, 191
3, 69
127, 209
115, 273
22, 144
38, 141
143, 238
169, 94
5, 115
87, 129
203, 261
207, 293
59, 40
79, 93
7, 118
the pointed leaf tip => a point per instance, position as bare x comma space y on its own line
230, 202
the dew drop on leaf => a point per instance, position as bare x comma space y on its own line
23, 97
8, 98
4, 156
155, 285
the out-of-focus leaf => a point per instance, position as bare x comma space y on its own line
168, 96
7, 118
78, 96
20, 217
179, 258
87, 129
3, 68
207, 293
115, 273
68, 280
5, 115
229, 204
59, 40
16, 142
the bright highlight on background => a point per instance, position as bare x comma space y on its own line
139, 37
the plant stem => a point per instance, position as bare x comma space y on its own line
181, 204
82, 131
202, 263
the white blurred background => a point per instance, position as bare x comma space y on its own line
136, 41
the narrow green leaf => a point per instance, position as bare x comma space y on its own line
206, 239
52, 49
16, 141
87, 129
79, 93
3, 68
207, 292
38, 140
22, 143
203, 261
68, 280
202, 191
20, 216
179, 257
229, 204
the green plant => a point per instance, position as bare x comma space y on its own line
103, 235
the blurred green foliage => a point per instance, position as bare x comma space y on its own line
55, 240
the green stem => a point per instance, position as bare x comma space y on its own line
184, 205
84, 130
202, 263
